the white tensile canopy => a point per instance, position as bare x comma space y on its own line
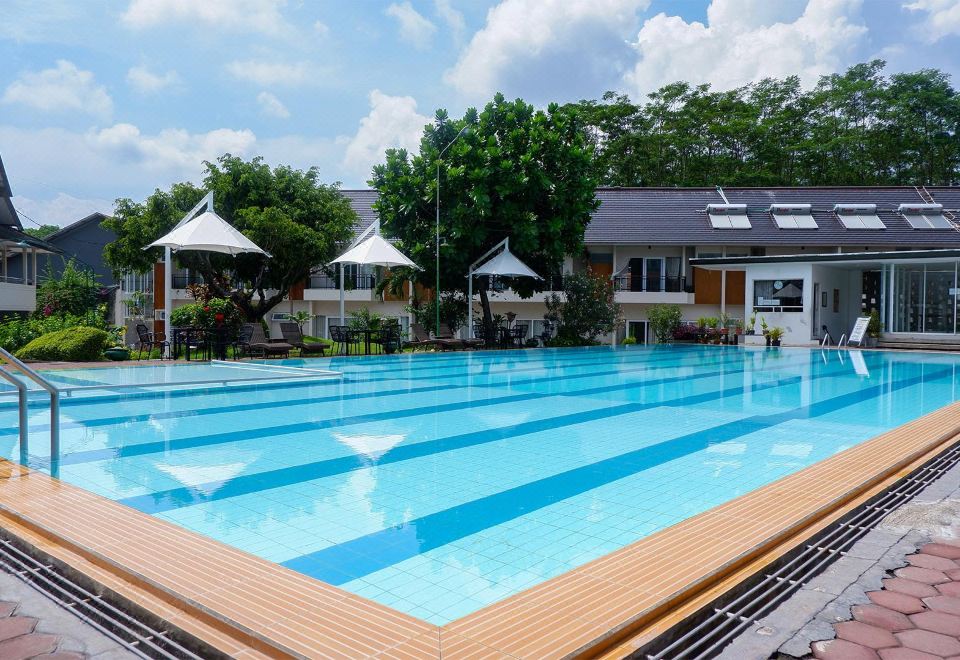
372, 251
208, 232
375, 251
504, 264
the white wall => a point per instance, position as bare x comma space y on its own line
796, 325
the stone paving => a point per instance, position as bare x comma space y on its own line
34, 626
860, 599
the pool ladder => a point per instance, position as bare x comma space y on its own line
10, 362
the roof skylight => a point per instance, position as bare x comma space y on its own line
925, 216
728, 216
793, 216
859, 216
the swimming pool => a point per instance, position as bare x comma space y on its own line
437, 484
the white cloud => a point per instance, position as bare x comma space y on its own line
270, 73
271, 106
745, 40
575, 46
172, 149
61, 210
393, 121
321, 28
261, 16
942, 18
62, 88
146, 81
450, 16
414, 28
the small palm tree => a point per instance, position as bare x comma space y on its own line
300, 318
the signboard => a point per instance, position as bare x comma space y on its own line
859, 329
768, 302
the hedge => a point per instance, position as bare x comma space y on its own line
78, 344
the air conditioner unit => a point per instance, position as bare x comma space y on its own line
159, 315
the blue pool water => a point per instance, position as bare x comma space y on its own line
437, 484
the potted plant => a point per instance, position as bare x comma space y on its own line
775, 335
117, 351
752, 327
874, 328
765, 329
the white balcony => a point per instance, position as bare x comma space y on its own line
654, 297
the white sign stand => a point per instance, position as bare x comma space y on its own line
859, 330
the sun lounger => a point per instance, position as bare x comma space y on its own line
294, 336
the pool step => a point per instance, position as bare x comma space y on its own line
919, 345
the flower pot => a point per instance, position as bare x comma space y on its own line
774, 342
117, 353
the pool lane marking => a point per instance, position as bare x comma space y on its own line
174, 498
74, 458
289, 403
372, 552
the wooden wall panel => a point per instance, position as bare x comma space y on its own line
736, 287
706, 285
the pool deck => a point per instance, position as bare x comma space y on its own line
249, 607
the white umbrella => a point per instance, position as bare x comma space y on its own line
208, 232
504, 264
373, 251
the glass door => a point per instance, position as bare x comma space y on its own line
654, 273
939, 307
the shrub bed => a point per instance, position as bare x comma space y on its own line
78, 344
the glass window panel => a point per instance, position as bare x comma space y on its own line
778, 295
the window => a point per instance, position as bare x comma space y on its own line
728, 216
793, 216
778, 295
858, 216
925, 216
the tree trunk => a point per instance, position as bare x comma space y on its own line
485, 306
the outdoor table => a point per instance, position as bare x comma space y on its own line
367, 334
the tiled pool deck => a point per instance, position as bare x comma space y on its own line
248, 607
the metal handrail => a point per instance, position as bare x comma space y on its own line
843, 338
54, 401
22, 409
826, 340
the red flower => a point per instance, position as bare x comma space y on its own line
206, 308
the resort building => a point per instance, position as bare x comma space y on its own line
19, 256
809, 260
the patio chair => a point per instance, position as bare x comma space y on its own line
150, 340
259, 344
518, 333
546, 334
389, 337
419, 338
294, 336
241, 343
342, 339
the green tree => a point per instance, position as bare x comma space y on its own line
515, 172
586, 310
298, 220
665, 320
42, 231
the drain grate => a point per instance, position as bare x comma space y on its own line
704, 635
128, 631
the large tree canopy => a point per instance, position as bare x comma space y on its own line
515, 172
852, 128
287, 212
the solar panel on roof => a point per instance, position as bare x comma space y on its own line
728, 216
858, 216
793, 216
925, 216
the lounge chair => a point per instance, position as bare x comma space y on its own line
342, 339
294, 336
259, 344
419, 338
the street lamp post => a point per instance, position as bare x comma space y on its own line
436, 293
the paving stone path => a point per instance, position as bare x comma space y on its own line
915, 616
20, 640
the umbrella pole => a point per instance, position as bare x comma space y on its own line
342, 320
470, 303
167, 297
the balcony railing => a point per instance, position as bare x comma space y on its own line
651, 285
349, 282
551, 283
183, 281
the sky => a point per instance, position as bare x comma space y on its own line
104, 99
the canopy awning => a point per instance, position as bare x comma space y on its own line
210, 233
375, 251
505, 264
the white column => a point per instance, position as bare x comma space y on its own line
342, 320
168, 293
723, 287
